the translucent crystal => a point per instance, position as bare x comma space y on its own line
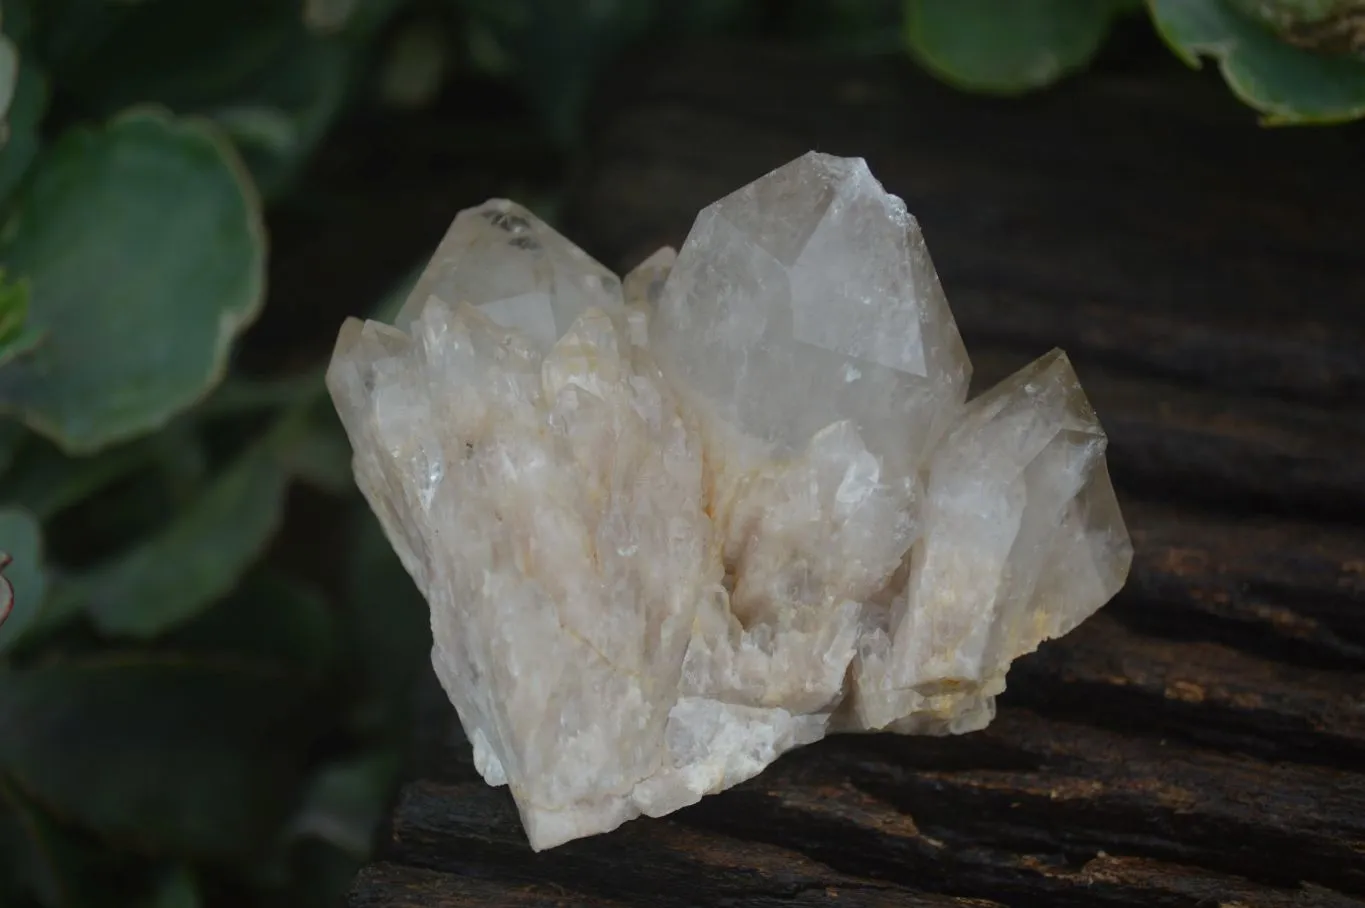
672, 527
551, 513
523, 275
645, 283
1022, 541
808, 297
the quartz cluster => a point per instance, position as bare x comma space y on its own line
673, 526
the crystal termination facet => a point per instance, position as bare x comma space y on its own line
673, 526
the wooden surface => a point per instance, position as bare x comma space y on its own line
1200, 742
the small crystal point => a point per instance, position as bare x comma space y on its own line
523, 275
672, 528
644, 285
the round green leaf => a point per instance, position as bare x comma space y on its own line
345, 801
1329, 26
9, 73
1286, 84
158, 752
144, 246
25, 112
23, 585
1007, 48
197, 558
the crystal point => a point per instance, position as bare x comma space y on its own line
808, 297
506, 261
672, 527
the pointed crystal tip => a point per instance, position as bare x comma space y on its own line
509, 263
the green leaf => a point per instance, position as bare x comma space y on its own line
239, 395
13, 439
13, 309
180, 459
858, 27
46, 481
25, 113
198, 557
177, 888
9, 75
31, 858
18, 19
277, 622
414, 70
346, 801
320, 454
280, 115
388, 622
1007, 48
17, 336
45, 862
157, 752
23, 585
251, 65
1286, 84
145, 249
368, 17
110, 56
328, 16
558, 48
1326, 26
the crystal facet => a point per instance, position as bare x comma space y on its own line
673, 526
808, 297
506, 261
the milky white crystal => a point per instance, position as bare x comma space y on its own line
673, 526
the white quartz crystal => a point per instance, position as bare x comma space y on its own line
672, 527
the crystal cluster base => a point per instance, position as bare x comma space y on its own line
673, 526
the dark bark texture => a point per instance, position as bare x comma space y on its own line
1201, 741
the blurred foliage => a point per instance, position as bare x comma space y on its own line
1007, 48
184, 718
188, 716
1250, 39
1295, 61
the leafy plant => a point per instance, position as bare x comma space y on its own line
1312, 83
1295, 61
981, 45
179, 715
